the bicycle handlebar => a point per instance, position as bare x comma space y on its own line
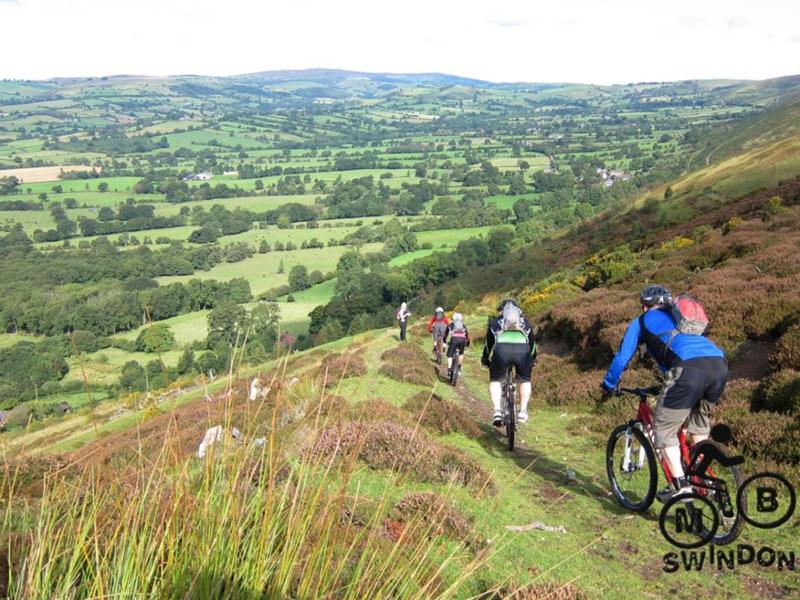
643, 393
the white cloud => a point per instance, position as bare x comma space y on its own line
614, 41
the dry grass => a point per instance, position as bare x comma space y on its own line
440, 415
38, 174
438, 515
409, 363
408, 451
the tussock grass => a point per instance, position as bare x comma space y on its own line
247, 522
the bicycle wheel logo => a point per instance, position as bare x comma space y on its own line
691, 520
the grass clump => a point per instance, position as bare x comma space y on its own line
244, 523
435, 511
440, 415
409, 363
787, 350
406, 450
335, 367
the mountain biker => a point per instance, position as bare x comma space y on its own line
459, 339
402, 318
509, 341
438, 325
696, 373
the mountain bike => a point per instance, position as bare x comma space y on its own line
438, 349
509, 408
633, 475
455, 371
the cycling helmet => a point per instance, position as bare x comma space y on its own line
458, 317
439, 310
655, 295
502, 305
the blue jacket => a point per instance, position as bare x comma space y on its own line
657, 334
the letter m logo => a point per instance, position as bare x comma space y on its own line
689, 520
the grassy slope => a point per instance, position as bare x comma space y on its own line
605, 551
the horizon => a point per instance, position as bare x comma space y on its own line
508, 42
410, 74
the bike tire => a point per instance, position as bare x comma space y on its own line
627, 500
729, 528
511, 422
454, 376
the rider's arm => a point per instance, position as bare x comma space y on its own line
466, 335
446, 334
430, 324
624, 355
489, 344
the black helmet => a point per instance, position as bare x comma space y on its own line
502, 305
655, 295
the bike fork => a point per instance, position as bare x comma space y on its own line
627, 457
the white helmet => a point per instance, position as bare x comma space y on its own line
458, 317
439, 309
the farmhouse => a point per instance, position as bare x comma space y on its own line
203, 176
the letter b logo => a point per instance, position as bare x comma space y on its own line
766, 499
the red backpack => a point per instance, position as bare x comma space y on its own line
689, 315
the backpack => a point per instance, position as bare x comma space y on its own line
689, 315
512, 318
459, 330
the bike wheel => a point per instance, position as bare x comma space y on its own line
730, 520
511, 422
454, 375
631, 467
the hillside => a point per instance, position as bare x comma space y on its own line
358, 471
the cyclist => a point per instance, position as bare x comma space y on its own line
509, 341
459, 339
437, 326
696, 373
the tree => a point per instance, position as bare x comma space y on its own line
499, 242
281, 270
204, 235
132, 377
8, 185
668, 193
259, 184
225, 321
106, 214
263, 247
185, 362
102, 186
298, 278
155, 338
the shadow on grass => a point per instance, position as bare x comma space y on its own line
565, 477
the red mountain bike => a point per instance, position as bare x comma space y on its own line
633, 475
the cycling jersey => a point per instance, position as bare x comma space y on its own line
438, 325
656, 329
454, 335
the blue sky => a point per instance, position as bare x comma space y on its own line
594, 41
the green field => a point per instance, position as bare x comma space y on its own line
261, 271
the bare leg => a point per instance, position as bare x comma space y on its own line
673, 455
496, 393
525, 389
449, 362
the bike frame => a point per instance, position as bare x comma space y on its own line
644, 415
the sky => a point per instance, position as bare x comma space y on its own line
590, 41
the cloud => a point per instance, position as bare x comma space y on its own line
507, 23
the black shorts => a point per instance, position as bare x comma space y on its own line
506, 355
693, 380
456, 345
